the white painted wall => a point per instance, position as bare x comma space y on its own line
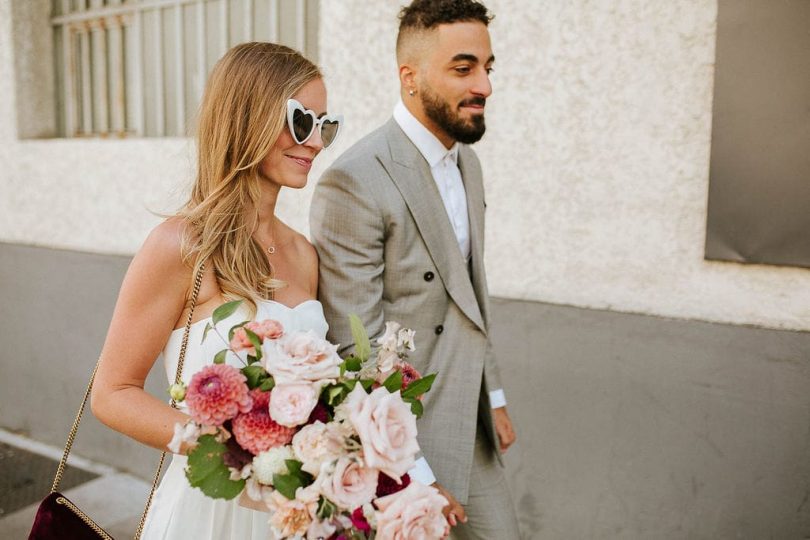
596, 159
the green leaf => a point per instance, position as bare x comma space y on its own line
362, 346
286, 484
367, 384
207, 471
255, 375
393, 382
257, 343
224, 311
219, 358
417, 408
326, 508
208, 327
419, 386
293, 466
268, 384
233, 329
335, 394
353, 363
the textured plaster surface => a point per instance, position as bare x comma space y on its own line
596, 156
596, 160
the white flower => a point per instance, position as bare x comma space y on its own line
389, 339
314, 445
387, 361
271, 462
405, 339
370, 514
301, 357
258, 492
183, 433
240, 474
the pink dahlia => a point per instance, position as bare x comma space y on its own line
255, 431
217, 393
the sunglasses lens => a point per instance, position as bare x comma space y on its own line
329, 130
302, 125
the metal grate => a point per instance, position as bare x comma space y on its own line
138, 67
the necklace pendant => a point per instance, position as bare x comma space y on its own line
271, 249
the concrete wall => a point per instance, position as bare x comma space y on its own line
629, 426
596, 158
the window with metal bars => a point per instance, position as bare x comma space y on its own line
138, 67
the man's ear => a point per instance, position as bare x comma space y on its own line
407, 77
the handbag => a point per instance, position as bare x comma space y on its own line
57, 517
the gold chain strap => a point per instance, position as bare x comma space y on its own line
60, 470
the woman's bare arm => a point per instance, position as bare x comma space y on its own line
150, 303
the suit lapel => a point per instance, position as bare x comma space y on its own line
412, 177
474, 188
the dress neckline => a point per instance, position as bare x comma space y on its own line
259, 302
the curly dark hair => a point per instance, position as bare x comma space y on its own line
426, 14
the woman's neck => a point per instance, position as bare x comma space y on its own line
265, 227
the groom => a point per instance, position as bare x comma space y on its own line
398, 222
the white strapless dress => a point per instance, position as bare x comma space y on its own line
178, 510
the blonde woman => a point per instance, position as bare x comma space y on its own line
261, 123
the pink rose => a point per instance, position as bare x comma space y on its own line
291, 517
291, 404
414, 513
266, 329
387, 429
349, 484
314, 445
301, 356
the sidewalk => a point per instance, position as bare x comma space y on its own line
114, 500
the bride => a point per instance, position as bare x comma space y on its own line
261, 123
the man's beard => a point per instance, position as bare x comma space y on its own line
438, 110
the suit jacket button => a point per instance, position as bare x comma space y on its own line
429, 276
439, 329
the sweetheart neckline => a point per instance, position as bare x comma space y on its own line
289, 308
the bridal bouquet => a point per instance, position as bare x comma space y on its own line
322, 443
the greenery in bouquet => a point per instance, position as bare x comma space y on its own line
321, 442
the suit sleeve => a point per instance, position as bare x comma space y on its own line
492, 375
348, 231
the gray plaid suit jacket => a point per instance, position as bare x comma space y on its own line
388, 252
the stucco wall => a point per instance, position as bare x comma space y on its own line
596, 159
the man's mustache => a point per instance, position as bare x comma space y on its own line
473, 101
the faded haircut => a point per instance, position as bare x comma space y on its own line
423, 15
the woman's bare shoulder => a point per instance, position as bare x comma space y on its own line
162, 251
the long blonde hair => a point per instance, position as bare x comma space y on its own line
242, 114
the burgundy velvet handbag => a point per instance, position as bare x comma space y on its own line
57, 517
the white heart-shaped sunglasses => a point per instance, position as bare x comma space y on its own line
303, 122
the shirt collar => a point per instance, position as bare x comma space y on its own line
426, 142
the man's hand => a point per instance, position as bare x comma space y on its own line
503, 427
454, 512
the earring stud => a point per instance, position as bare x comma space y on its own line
411, 92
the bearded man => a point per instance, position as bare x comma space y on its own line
398, 223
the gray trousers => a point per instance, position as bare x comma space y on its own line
489, 508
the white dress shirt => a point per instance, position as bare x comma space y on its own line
443, 164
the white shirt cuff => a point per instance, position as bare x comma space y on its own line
422, 473
497, 399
